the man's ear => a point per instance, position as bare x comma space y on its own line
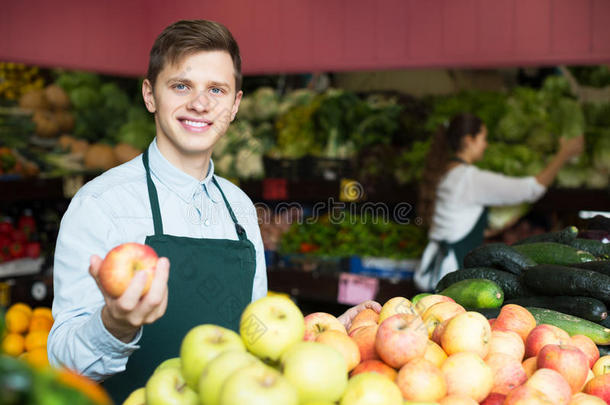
235, 108
148, 96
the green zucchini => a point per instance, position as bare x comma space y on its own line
564, 236
475, 292
583, 307
600, 266
595, 247
553, 253
562, 280
498, 255
572, 324
511, 284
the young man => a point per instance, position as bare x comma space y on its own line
170, 199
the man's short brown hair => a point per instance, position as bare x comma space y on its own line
189, 36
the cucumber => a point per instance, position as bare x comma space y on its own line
553, 253
583, 307
595, 247
561, 280
564, 236
498, 255
600, 266
511, 284
572, 324
476, 293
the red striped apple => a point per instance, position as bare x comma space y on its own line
319, 322
122, 263
569, 361
400, 338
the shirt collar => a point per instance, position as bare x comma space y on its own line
184, 185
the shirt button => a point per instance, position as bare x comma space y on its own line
206, 222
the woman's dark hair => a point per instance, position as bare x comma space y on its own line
446, 143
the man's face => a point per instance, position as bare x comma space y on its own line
194, 101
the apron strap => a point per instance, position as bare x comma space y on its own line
153, 197
241, 232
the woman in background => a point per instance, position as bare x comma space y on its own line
454, 194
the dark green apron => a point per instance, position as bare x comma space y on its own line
210, 281
460, 248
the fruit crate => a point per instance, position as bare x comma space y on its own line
290, 169
328, 169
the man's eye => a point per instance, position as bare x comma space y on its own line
180, 86
216, 90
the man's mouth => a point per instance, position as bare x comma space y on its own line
195, 125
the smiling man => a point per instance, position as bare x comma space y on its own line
170, 199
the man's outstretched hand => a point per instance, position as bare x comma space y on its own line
123, 316
349, 315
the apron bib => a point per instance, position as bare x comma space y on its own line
460, 248
210, 281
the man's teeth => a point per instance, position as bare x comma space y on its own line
195, 123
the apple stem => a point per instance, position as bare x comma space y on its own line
181, 387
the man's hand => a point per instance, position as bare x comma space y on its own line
123, 316
349, 315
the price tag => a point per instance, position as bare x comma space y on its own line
350, 191
275, 189
354, 289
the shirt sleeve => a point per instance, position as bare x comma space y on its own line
78, 339
259, 287
494, 189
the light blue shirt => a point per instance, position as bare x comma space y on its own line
113, 209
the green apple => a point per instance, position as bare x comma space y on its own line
137, 397
371, 389
269, 325
200, 345
257, 384
168, 387
218, 370
173, 362
317, 371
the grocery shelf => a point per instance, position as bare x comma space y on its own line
324, 287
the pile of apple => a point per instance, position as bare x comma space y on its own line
434, 352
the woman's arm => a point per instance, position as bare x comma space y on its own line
567, 150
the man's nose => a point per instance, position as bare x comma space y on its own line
200, 102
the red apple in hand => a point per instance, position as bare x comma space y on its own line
122, 263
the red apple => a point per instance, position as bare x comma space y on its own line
543, 335
374, 366
319, 322
364, 337
494, 399
569, 361
420, 380
507, 342
365, 317
122, 263
600, 387
343, 344
400, 338
507, 371
552, 384
588, 347
516, 318
530, 366
429, 300
526, 395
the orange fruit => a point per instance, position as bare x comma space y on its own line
90, 388
17, 321
37, 357
40, 323
13, 344
23, 307
34, 340
42, 311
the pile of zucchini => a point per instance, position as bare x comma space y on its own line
562, 279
